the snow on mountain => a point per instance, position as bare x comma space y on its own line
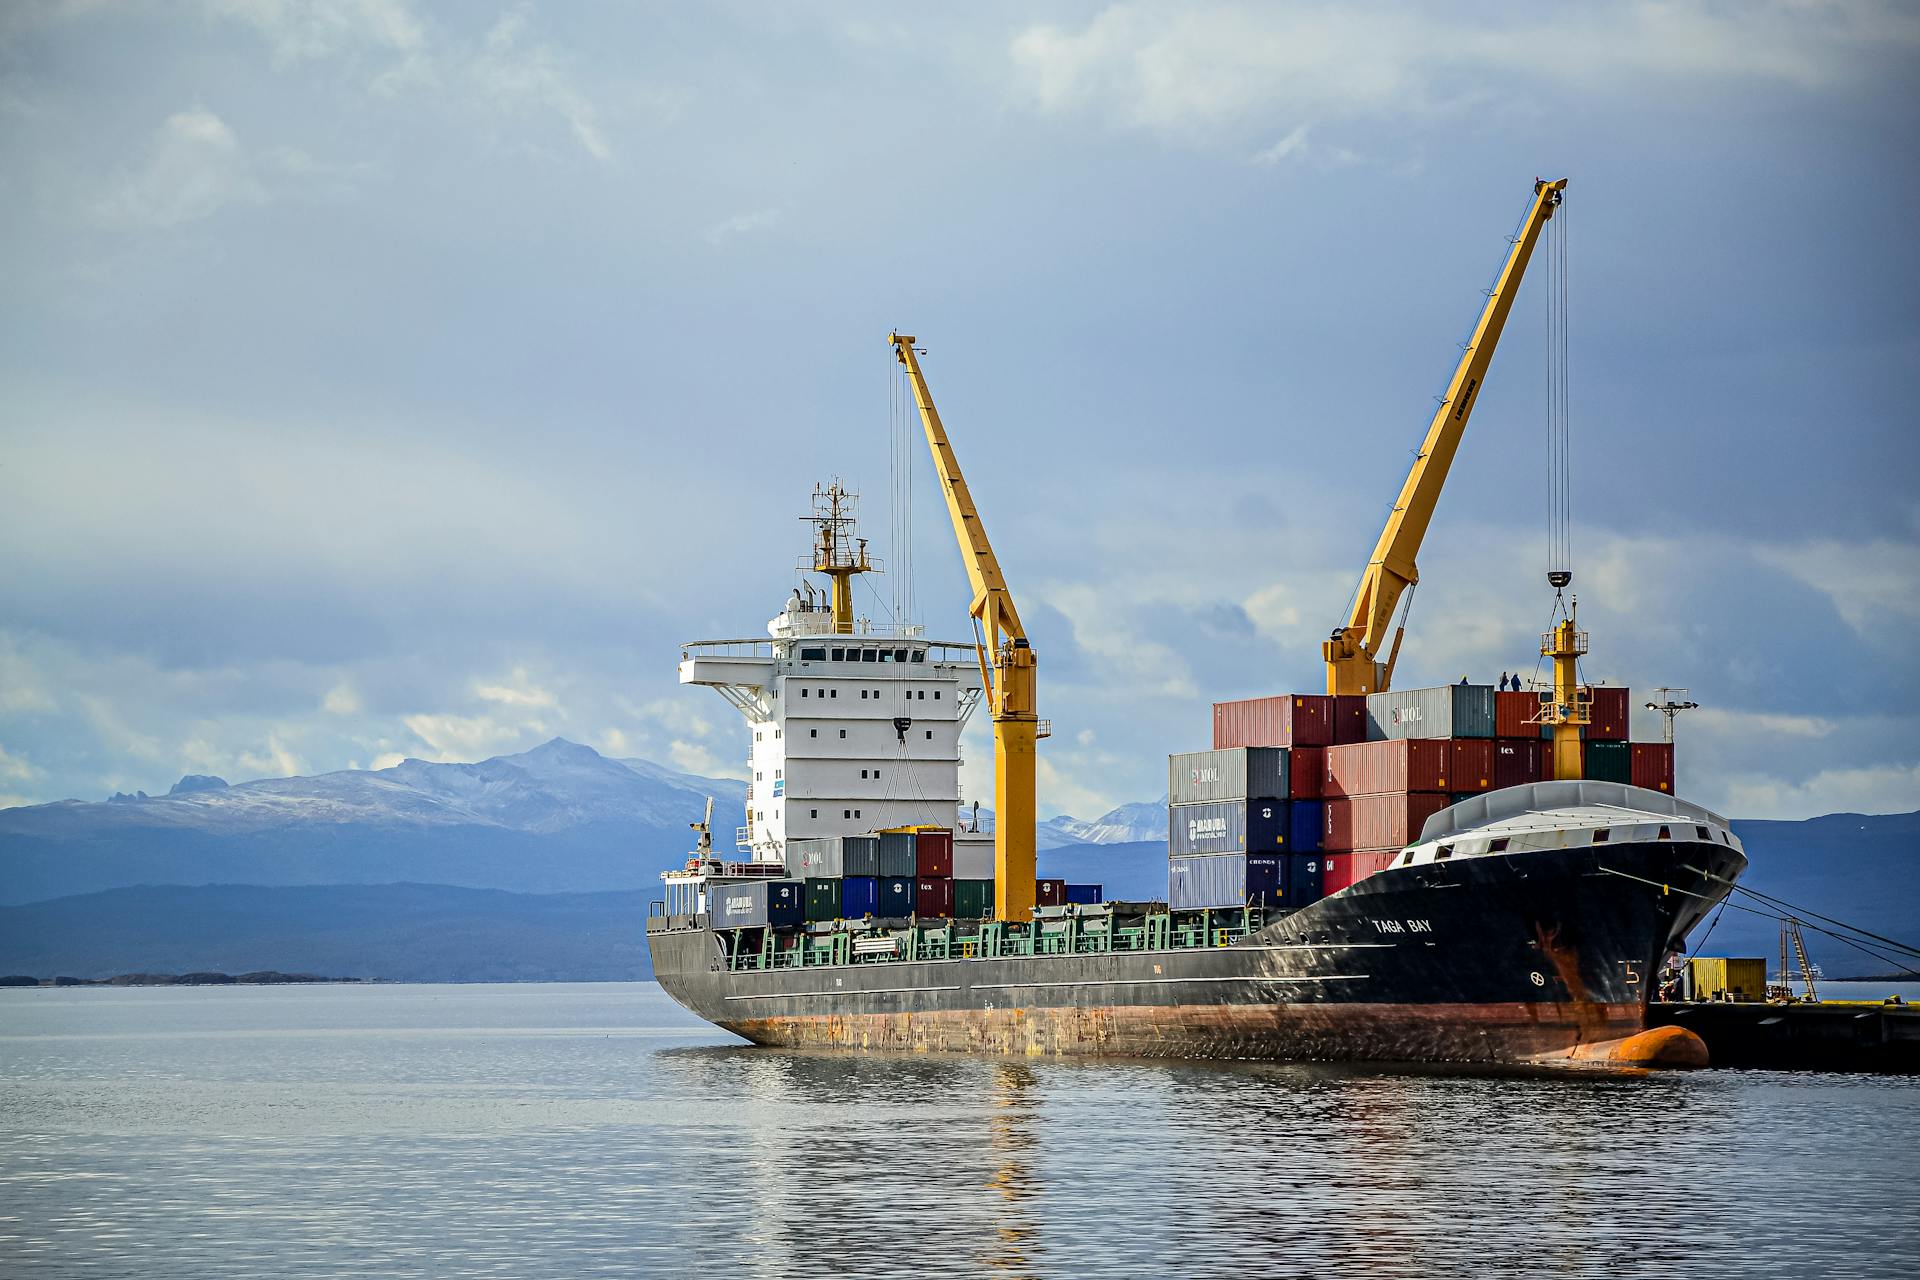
1128, 824
559, 816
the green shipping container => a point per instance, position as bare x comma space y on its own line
972, 899
823, 899
1610, 762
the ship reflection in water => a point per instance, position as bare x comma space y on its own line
598, 1130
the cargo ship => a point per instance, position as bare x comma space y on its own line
1462, 874
1520, 924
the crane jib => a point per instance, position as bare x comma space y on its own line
1466, 398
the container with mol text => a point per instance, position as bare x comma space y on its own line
1235, 773
1446, 711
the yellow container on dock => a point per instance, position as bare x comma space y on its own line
1721, 978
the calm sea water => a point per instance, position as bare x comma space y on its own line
556, 1131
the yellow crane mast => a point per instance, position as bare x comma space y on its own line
1006, 667
1353, 657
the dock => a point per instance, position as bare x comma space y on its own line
1827, 1035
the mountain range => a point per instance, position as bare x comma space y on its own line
539, 864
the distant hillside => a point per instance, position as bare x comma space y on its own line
560, 817
402, 932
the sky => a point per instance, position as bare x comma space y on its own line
385, 379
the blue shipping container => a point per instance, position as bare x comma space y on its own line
1304, 825
1226, 880
1087, 895
1306, 878
859, 897
896, 897
751, 904
1227, 826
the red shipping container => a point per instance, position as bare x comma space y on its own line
1050, 893
1519, 761
1610, 712
1511, 711
1290, 720
1306, 769
1376, 768
933, 858
1470, 764
1652, 765
1378, 821
1349, 718
1340, 870
934, 897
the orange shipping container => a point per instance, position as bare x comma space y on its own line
1375, 768
1290, 720
1343, 869
1379, 821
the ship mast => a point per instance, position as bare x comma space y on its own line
837, 553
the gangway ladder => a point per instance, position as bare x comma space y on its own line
1790, 938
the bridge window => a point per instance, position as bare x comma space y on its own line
899, 655
839, 655
813, 655
869, 655
919, 655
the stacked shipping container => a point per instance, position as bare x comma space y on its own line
929, 874
1353, 779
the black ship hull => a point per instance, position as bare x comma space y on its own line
1534, 957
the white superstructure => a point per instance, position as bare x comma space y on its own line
855, 727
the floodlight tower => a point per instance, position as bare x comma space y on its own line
1671, 706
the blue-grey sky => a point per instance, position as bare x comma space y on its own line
384, 379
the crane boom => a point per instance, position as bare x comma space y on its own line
1353, 651
1006, 666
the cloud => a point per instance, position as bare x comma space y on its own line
692, 757
16, 768
1293, 146
1194, 69
341, 700
518, 692
196, 168
512, 74
302, 30
1887, 788
1875, 585
272, 761
466, 738
742, 224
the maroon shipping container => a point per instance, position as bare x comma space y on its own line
1652, 765
1378, 821
1611, 710
1349, 718
1375, 768
1339, 870
1306, 770
933, 859
1050, 893
933, 896
1470, 764
1519, 761
1290, 720
1511, 711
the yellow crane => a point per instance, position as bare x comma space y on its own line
1006, 666
1354, 664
